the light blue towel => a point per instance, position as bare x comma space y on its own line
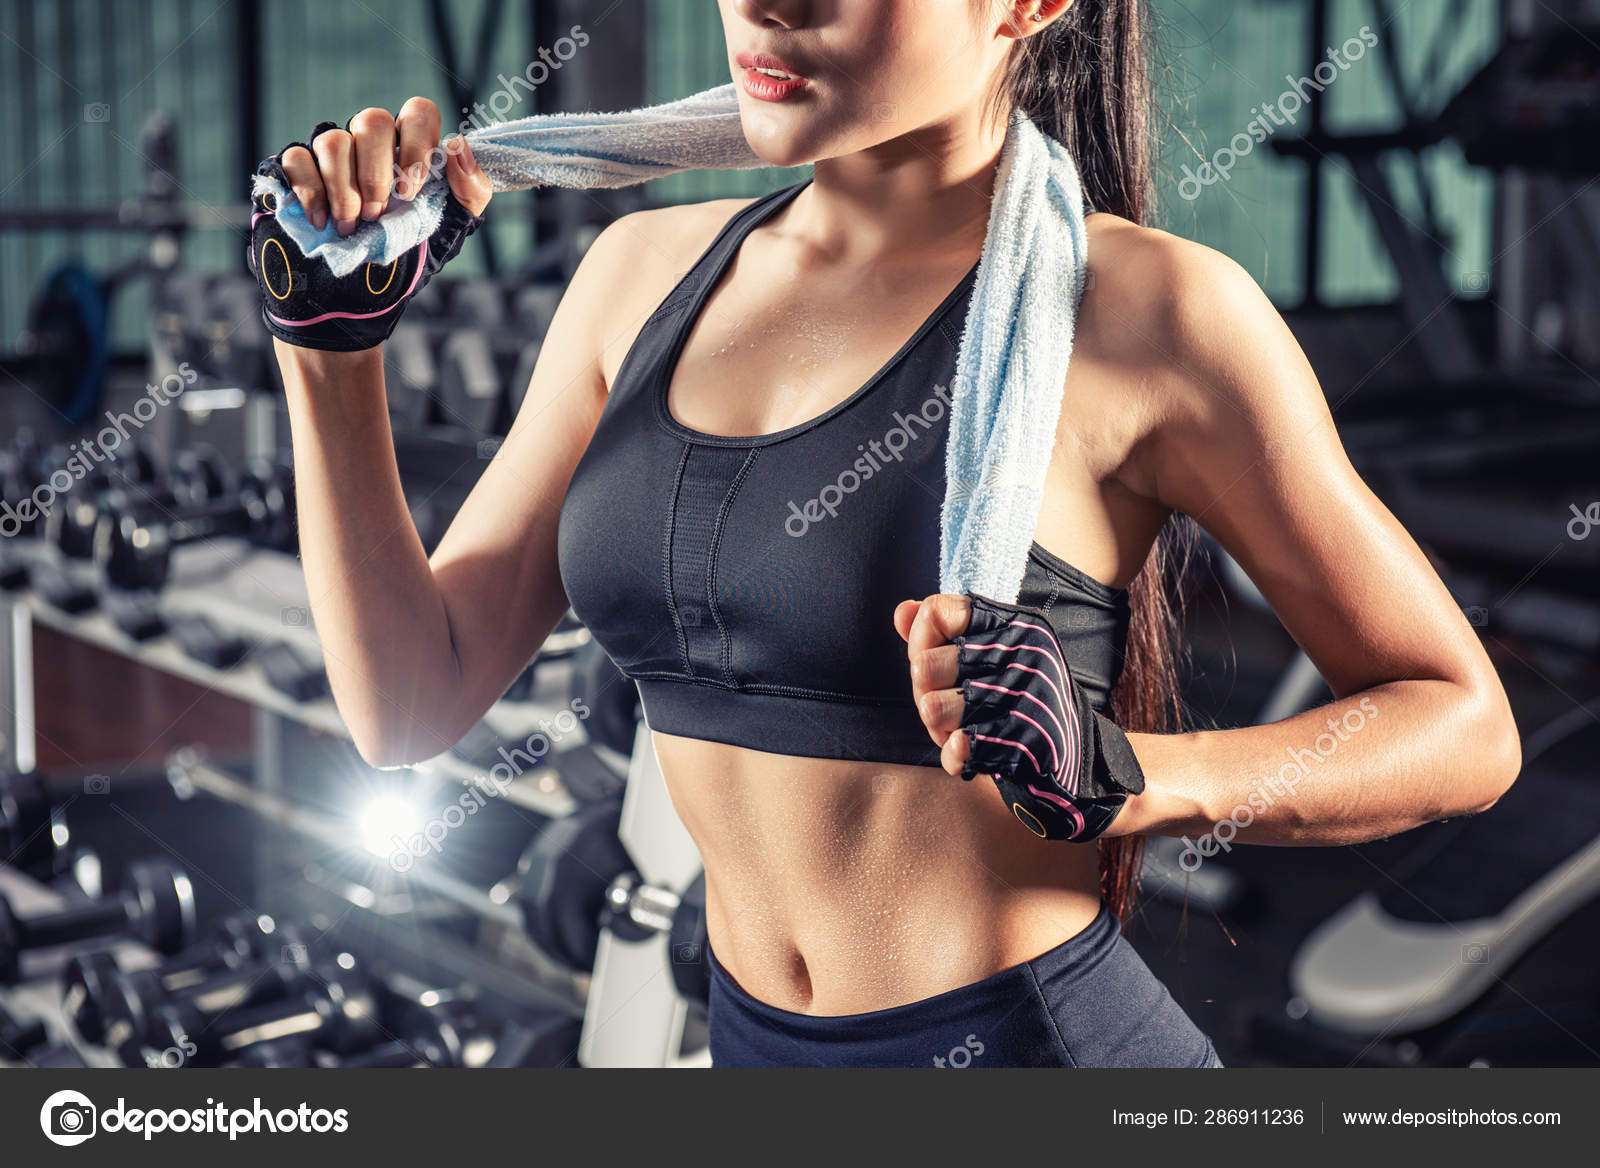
1012, 362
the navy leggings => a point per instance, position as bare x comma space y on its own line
1089, 1002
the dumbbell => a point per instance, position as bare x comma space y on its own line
333, 1007
86, 978
68, 590
157, 908
194, 479
563, 878
636, 911
34, 837
133, 546
140, 1011
130, 468
26, 841
576, 879
432, 1036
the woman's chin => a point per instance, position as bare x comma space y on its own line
778, 146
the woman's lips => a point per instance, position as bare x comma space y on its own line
766, 78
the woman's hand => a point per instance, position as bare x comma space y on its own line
350, 174
929, 627
1018, 715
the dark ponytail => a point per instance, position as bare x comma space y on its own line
1085, 81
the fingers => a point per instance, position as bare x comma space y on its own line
904, 613
335, 152
934, 669
418, 127
940, 619
953, 756
467, 181
306, 181
928, 627
349, 175
940, 710
373, 132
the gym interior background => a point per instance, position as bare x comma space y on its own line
180, 805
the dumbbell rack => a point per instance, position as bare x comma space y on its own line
633, 1017
260, 595
41, 998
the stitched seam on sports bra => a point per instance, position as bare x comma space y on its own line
1038, 992
711, 562
1050, 601
779, 691
666, 560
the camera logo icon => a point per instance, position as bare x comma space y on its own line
97, 111
68, 1118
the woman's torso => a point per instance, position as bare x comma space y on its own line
763, 488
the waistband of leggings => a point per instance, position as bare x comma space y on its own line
1086, 948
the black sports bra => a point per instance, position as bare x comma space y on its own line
748, 584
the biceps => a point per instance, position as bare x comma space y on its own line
1276, 490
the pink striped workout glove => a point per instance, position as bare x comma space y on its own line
1063, 769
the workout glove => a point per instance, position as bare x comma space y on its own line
1062, 768
305, 304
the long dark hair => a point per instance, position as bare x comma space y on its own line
1085, 81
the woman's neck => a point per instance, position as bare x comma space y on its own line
928, 190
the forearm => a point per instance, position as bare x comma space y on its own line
1374, 763
378, 610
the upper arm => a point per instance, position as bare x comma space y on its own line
496, 566
1245, 444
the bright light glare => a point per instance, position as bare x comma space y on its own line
386, 823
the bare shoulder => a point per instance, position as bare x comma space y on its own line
636, 261
1189, 323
